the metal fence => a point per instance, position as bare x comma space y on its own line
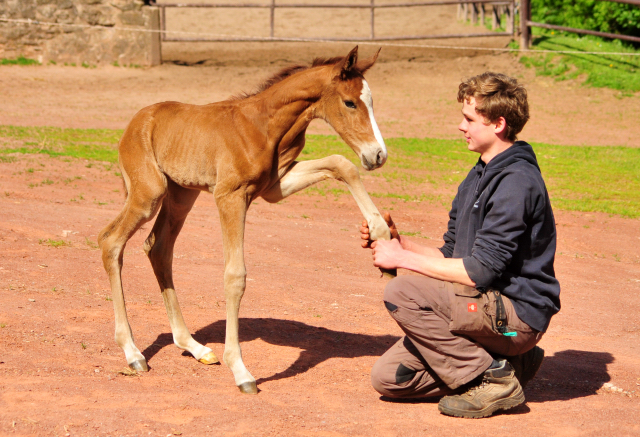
526, 24
475, 8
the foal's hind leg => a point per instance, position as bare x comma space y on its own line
159, 247
143, 201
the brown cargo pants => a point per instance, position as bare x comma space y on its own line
450, 337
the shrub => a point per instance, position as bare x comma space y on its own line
598, 15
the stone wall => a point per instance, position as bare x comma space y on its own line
71, 39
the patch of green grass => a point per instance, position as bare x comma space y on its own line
447, 161
69, 180
20, 60
579, 178
53, 243
602, 70
595, 179
92, 144
91, 244
410, 234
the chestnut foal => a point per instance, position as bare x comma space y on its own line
239, 149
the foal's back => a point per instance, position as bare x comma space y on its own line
193, 144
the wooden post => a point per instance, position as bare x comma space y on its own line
511, 18
272, 17
373, 17
495, 18
525, 30
155, 57
474, 13
482, 14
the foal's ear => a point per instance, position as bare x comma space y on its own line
366, 64
347, 64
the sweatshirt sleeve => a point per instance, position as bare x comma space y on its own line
450, 236
505, 221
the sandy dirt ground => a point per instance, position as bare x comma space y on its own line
312, 319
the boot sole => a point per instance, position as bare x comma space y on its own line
503, 404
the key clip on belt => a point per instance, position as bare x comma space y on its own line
501, 316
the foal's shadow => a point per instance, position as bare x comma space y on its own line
318, 344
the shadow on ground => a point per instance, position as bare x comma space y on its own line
568, 375
318, 344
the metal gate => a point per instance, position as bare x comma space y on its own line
476, 9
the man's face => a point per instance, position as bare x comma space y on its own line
480, 136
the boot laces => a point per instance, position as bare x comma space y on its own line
482, 385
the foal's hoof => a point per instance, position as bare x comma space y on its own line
249, 388
139, 366
209, 358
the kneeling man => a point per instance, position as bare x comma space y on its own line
481, 303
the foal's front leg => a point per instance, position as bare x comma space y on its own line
306, 173
232, 208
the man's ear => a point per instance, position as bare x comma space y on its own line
500, 126
347, 64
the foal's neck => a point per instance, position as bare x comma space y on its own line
293, 103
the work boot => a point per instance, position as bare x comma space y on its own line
526, 365
498, 389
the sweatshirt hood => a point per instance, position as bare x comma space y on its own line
519, 151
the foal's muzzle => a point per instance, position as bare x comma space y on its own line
374, 158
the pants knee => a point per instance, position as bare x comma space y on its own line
379, 379
400, 302
393, 293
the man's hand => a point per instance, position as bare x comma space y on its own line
364, 231
387, 254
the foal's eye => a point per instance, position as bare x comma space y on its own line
350, 104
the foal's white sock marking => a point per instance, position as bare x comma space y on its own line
367, 99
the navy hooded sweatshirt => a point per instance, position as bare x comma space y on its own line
502, 226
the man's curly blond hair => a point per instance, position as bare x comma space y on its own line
498, 95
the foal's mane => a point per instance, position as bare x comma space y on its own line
286, 72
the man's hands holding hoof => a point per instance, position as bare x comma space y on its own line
364, 231
385, 253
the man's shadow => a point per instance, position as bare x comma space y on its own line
566, 375
569, 374
318, 344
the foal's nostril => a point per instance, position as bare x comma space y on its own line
380, 158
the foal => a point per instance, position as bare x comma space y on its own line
239, 149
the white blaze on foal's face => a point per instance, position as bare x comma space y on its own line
380, 148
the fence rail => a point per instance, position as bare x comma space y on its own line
526, 24
372, 6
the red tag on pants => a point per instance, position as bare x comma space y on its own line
472, 307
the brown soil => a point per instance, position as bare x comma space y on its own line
312, 321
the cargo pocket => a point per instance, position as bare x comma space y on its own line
467, 312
